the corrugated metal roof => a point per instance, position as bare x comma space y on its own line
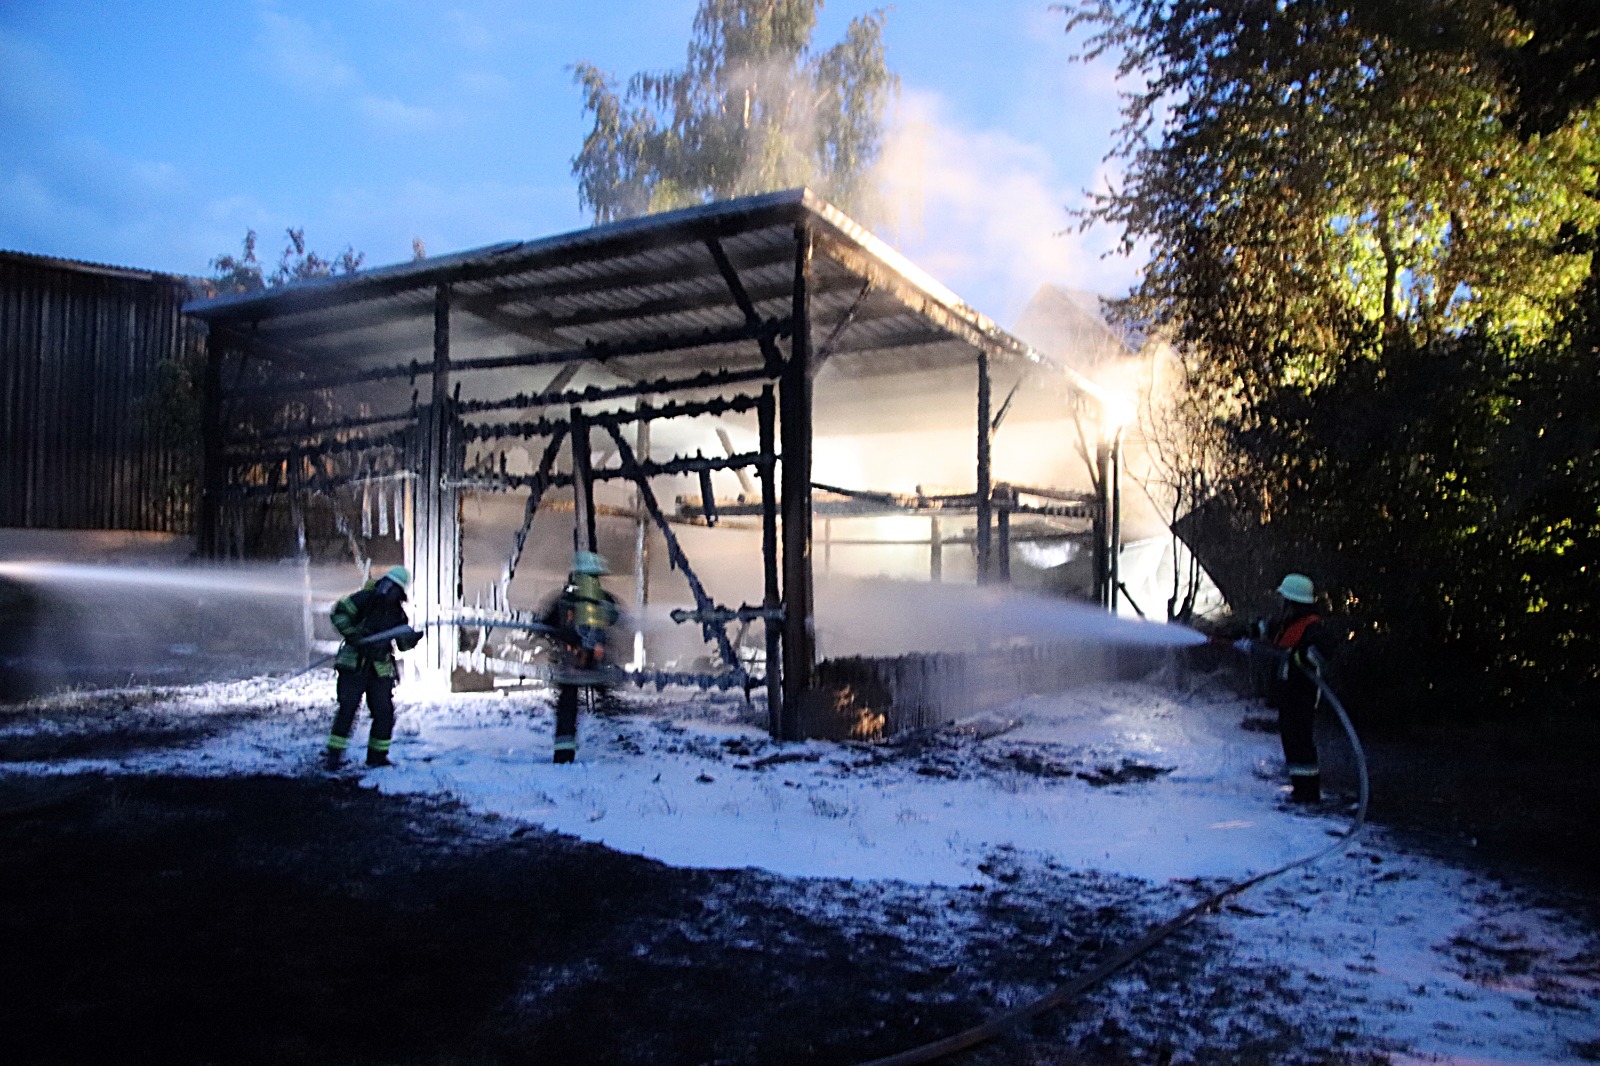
605, 295
80, 266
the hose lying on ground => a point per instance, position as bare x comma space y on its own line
1122, 956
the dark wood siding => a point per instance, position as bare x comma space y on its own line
81, 349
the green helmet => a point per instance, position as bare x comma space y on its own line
1297, 588
400, 576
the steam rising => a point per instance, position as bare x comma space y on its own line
985, 212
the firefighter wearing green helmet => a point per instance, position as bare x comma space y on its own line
373, 624
1296, 644
582, 616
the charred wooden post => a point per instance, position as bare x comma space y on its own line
583, 531
214, 470
985, 438
771, 599
1003, 542
641, 549
1102, 524
799, 640
297, 509
1115, 548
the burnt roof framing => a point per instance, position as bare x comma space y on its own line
680, 304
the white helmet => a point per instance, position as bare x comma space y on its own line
1297, 588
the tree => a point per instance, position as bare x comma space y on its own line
1312, 171
244, 272
753, 109
1375, 244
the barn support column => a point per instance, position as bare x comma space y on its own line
297, 511
641, 547
584, 536
1116, 520
436, 540
1102, 524
771, 598
213, 473
795, 399
985, 438
1003, 543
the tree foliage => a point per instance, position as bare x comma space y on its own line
1376, 246
754, 109
245, 273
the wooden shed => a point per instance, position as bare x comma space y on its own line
85, 352
656, 383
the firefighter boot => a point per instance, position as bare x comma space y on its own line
333, 755
1305, 788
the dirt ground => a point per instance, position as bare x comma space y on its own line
307, 919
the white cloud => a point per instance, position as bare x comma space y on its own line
396, 116
296, 56
304, 61
34, 90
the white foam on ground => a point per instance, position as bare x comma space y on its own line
1408, 945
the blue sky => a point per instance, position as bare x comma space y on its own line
154, 133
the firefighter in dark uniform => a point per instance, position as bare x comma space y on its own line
366, 667
582, 617
1296, 644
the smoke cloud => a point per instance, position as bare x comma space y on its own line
986, 212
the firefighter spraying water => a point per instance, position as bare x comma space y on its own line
373, 624
581, 617
1294, 646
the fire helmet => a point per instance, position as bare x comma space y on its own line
400, 576
1297, 588
589, 563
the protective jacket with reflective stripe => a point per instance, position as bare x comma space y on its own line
363, 613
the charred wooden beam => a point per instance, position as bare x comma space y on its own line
724, 615
311, 435
543, 427
680, 465
639, 474
553, 397
730, 276
596, 352
844, 323
536, 492
244, 457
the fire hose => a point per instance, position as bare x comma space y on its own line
1123, 956
582, 677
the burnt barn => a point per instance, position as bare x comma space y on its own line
727, 401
